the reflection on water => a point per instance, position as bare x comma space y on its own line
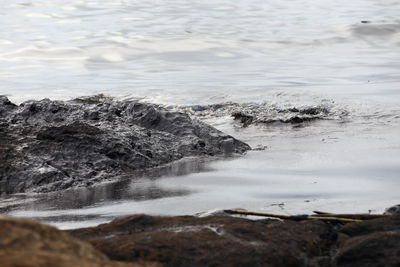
140, 187
323, 166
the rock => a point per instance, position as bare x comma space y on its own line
369, 243
25, 242
231, 241
53, 145
245, 120
393, 210
265, 113
212, 241
143, 240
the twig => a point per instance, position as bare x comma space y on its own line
352, 216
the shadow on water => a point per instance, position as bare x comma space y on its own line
142, 186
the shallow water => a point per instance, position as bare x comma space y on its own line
285, 54
347, 167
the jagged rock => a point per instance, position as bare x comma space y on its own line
292, 115
52, 145
25, 242
288, 115
264, 113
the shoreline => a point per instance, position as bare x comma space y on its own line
51, 141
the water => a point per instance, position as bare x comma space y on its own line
191, 51
285, 53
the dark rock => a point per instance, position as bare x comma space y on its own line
51, 145
230, 241
389, 223
297, 119
256, 114
314, 111
25, 242
246, 120
393, 210
267, 113
375, 249
212, 241
370, 243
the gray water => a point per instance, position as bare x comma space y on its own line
278, 53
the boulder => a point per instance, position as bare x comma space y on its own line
53, 145
212, 241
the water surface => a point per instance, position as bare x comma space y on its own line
279, 53
198, 51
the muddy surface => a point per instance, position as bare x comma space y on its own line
230, 241
52, 145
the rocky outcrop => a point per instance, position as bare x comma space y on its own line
141, 240
210, 241
27, 243
230, 241
52, 145
266, 113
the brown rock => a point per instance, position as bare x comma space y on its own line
213, 241
25, 242
370, 243
208, 241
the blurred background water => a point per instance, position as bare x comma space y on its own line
285, 53
190, 51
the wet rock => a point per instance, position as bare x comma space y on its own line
52, 145
245, 120
5, 106
393, 210
212, 241
369, 243
289, 115
25, 242
232, 241
265, 113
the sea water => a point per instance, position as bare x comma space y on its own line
180, 53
